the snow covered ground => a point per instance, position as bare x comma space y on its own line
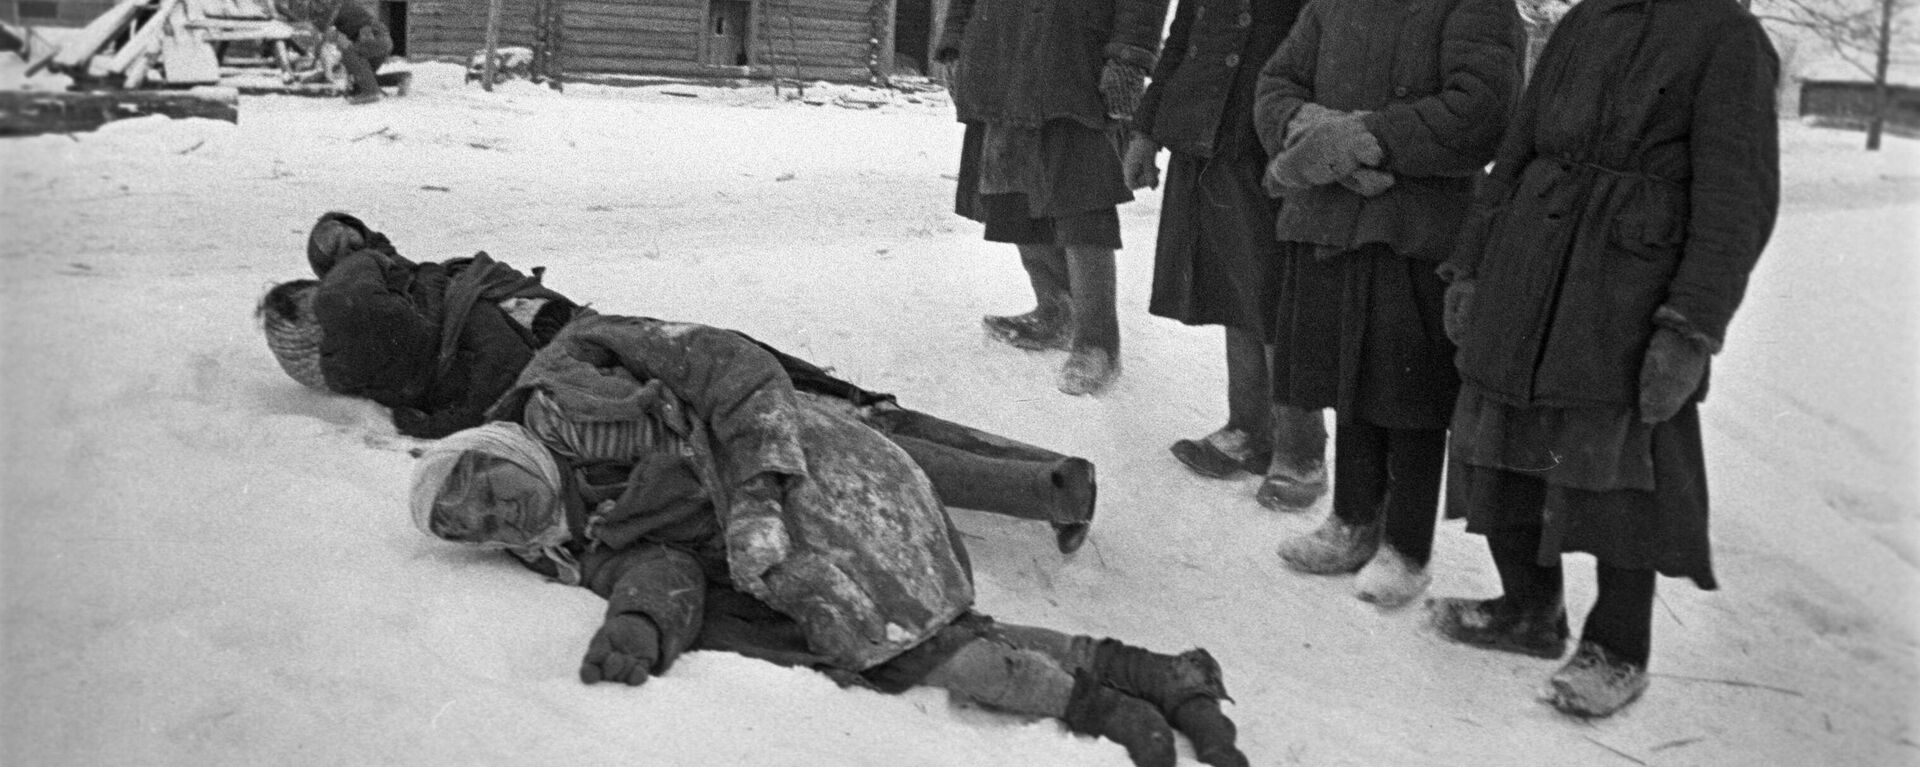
204, 563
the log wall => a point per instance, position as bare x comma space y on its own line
808, 39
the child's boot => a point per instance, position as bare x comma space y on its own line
1595, 683
1390, 579
1334, 547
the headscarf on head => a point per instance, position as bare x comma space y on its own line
293, 333
513, 443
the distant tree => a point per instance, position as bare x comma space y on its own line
1863, 33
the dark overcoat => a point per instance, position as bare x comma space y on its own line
1216, 260
1438, 78
1619, 190
1024, 62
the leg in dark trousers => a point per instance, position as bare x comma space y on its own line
1414, 460
1095, 359
1398, 571
1244, 444
973, 469
1528, 617
1622, 615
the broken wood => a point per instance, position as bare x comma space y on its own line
147, 36
30, 113
94, 36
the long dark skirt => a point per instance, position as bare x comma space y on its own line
1663, 529
1360, 332
1080, 184
1216, 261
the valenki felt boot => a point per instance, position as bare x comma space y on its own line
1501, 624
1594, 683
1390, 579
1223, 454
1333, 548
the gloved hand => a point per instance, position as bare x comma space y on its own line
756, 535
1368, 182
1121, 85
947, 54
1138, 166
626, 649
1456, 303
1670, 374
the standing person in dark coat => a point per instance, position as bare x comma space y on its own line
1380, 114
1607, 254
1043, 87
1217, 260
364, 44
674, 470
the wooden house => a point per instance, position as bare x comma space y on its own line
837, 40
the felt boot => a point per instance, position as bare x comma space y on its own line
1102, 711
1594, 683
1046, 327
1074, 497
1088, 371
1334, 547
1223, 454
1390, 579
1297, 473
1500, 624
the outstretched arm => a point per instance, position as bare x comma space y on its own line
655, 598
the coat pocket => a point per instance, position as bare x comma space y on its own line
1651, 222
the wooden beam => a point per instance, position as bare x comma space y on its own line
95, 34
29, 113
146, 36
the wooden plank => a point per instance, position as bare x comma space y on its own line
95, 34
187, 58
28, 113
146, 37
137, 74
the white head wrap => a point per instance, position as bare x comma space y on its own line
510, 442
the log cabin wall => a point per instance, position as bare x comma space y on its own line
836, 40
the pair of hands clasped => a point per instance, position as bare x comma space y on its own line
627, 647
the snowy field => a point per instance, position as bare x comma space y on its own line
205, 564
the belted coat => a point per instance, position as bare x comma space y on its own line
1619, 194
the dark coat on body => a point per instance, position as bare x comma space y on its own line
1216, 260
1439, 78
1023, 62
1642, 171
428, 340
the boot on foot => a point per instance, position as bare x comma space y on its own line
1594, 683
1287, 488
1036, 330
1390, 579
1499, 624
1333, 548
1074, 499
1102, 711
1088, 371
1225, 453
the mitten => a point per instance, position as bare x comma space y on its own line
947, 54
1121, 85
1457, 302
1326, 152
1368, 182
1669, 374
413, 422
1305, 118
1138, 166
626, 649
